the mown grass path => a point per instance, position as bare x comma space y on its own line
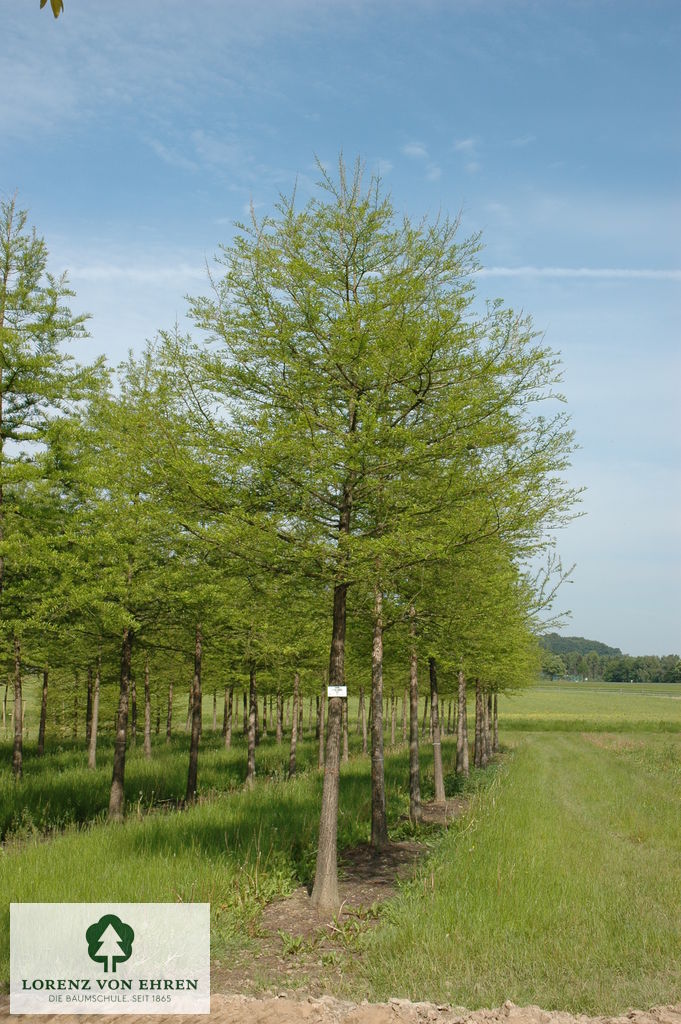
561, 887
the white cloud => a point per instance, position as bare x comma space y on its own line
465, 145
603, 273
139, 274
169, 156
415, 150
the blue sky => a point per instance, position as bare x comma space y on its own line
137, 133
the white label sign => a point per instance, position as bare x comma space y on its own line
110, 958
338, 691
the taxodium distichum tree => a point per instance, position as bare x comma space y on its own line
344, 360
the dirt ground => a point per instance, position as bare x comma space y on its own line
273, 1010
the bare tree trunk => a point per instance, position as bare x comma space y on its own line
405, 701
379, 825
449, 718
322, 724
438, 777
75, 707
325, 890
280, 715
224, 713
318, 726
294, 729
245, 714
229, 705
189, 708
88, 707
252, 713
487, 738
414, 767
346, 727
257, 723
462, 729
215, 710
43, 713
169, 719
117, 796
424, 724
287, 710
133, 708
197, 701
477, 746
92, 749
264, 717
147, 710
495, 734
18, 751
309, 715
393, 719
300, 717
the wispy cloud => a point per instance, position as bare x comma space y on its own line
138, 274
171, 157
466, 145
434, 172
522, 140
598, 273
415, 150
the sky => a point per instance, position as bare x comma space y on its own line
136, 134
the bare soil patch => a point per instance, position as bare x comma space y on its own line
295, 949
245, 1010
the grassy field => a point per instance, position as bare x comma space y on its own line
560, 886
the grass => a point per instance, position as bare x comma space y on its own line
236, 850
560, 886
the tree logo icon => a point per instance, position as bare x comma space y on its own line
109, 941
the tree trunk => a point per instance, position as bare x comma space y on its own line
294, 729
495, 734
88, 707
405, 701
197, 699
346, 728
393, 719
319, 718
169, 719
117, 796
252, 714
414, 767
477, 745
424, 724
215, 710
229, 704
462, 729
147, 710
264, 717
18, 751
379, 826
92, 749
449, 718
309, 716
245, 730
133, 708
280, 715
487, 738
189, 708
322, 724
437, 741
75, 707
43, 713
325, 890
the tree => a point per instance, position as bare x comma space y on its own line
343, 359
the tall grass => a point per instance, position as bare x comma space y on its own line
560, 887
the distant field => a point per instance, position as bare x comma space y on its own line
593, 707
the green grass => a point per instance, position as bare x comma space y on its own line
236, 850
561, 886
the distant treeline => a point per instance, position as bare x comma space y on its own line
590, 659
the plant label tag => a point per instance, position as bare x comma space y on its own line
338, 691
